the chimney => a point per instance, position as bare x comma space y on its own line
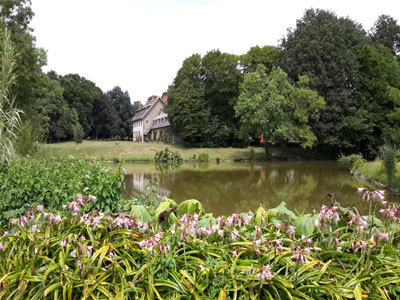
165, 99
153, 99
140, 105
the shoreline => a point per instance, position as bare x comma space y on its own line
375, 182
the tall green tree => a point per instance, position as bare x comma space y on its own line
122, 104
268, 104
324, 47
15, 16
221, 90
378, 99
61, 118
80, 94
106, 120
187, 109
267, 56
386, 31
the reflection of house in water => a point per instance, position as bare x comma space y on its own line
141, 181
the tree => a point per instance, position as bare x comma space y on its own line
80, 95
106, 120
78, 134
267, 56
16, 16
270, 105
61, 118
188, 112
378, 99
9, 114
324, 47
221, 90
386, 31
122, 104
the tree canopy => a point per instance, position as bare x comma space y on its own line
268, 104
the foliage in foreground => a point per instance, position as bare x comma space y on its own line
182, 253
26, 183
10, 119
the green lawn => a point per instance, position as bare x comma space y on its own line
127, 150
374, 170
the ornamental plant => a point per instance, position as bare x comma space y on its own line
181, 252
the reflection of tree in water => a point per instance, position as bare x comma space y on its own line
240, 188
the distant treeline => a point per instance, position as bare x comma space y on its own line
329, 83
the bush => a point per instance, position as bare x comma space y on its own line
26, 183
168, 156
351, 162
203, 157
388, 155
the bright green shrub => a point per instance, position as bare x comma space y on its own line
203, 157
167, 156
351, 162
29, 182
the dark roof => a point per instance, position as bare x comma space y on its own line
140, 113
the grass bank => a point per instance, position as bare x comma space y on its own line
375, 171
130, 151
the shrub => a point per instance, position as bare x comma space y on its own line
388, 155
26, 183
351, 162
203, 157
168, 156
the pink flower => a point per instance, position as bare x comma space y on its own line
63, 243
39, 207
291, 231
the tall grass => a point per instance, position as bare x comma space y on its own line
10, 119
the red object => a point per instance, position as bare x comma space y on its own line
262, 138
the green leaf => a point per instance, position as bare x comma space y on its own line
140, 213
190, 207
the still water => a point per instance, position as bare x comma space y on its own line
228, 188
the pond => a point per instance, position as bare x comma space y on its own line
228, 188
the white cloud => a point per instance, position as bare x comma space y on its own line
140, 45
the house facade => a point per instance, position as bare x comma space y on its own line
150, 122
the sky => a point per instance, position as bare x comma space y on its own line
140, 45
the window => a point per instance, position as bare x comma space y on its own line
147, 122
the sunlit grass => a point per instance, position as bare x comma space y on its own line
127, 150
374, 170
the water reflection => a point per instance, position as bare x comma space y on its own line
227, 188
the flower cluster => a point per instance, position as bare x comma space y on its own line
326, 216
152, 244
79, 203
265, 272
299, 254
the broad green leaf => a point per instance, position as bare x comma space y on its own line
190, 207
